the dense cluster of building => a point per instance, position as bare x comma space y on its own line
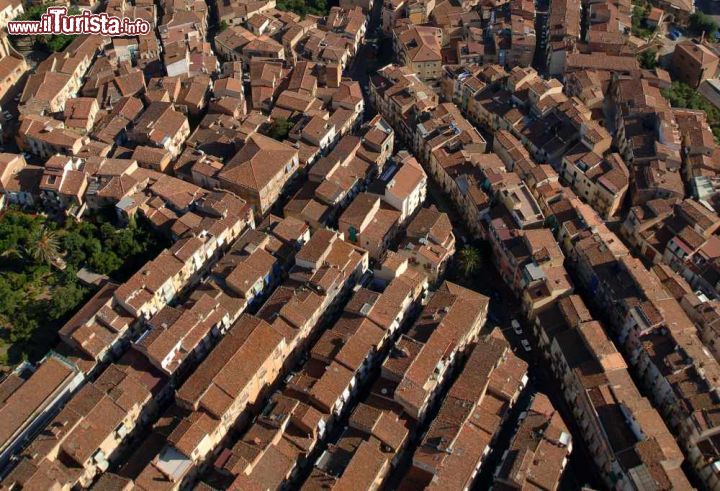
246, 312
300, 330
559, 167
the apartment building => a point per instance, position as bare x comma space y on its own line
32, 395
8, 11
326, 268
233, 376
706, 316
44, 137
63, 184
404, 188
336, 178
379, 430
366, 223
88, 433
392, 10
313, 397
12, 69
173, 335
675, 234
522, 206
462, 170
539, 449
419, 48
58, 78
438, 338
177, 337
395, 91
445, 126
151, 288
160, 125
646, 317
587, 363
518, 147
523, 257
601, 181
474, 409
562, 33
259, 171
100, 327
255, 262
18, 181
80, 113
547, 122
649, 138
429, 243
693, 62
194, 326
522, 41
404, 288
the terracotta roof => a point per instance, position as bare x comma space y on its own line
258, 162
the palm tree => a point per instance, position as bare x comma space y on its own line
470, 260
46, 247
14, 253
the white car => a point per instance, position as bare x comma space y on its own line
526, 345
516, 327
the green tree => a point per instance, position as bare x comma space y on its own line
33, 12
36, 298
470, 260
66, 299
23, 327
304, 7
50, 42
57, 42
126, 243
15, 253
223, 26
280, 129
74, 246
17, 231
107, 231
11, 298
639, 15
105, 262
701, 22
648, 58
45, 247
682, 95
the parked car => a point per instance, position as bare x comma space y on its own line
516, 327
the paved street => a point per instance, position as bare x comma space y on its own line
369, 59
